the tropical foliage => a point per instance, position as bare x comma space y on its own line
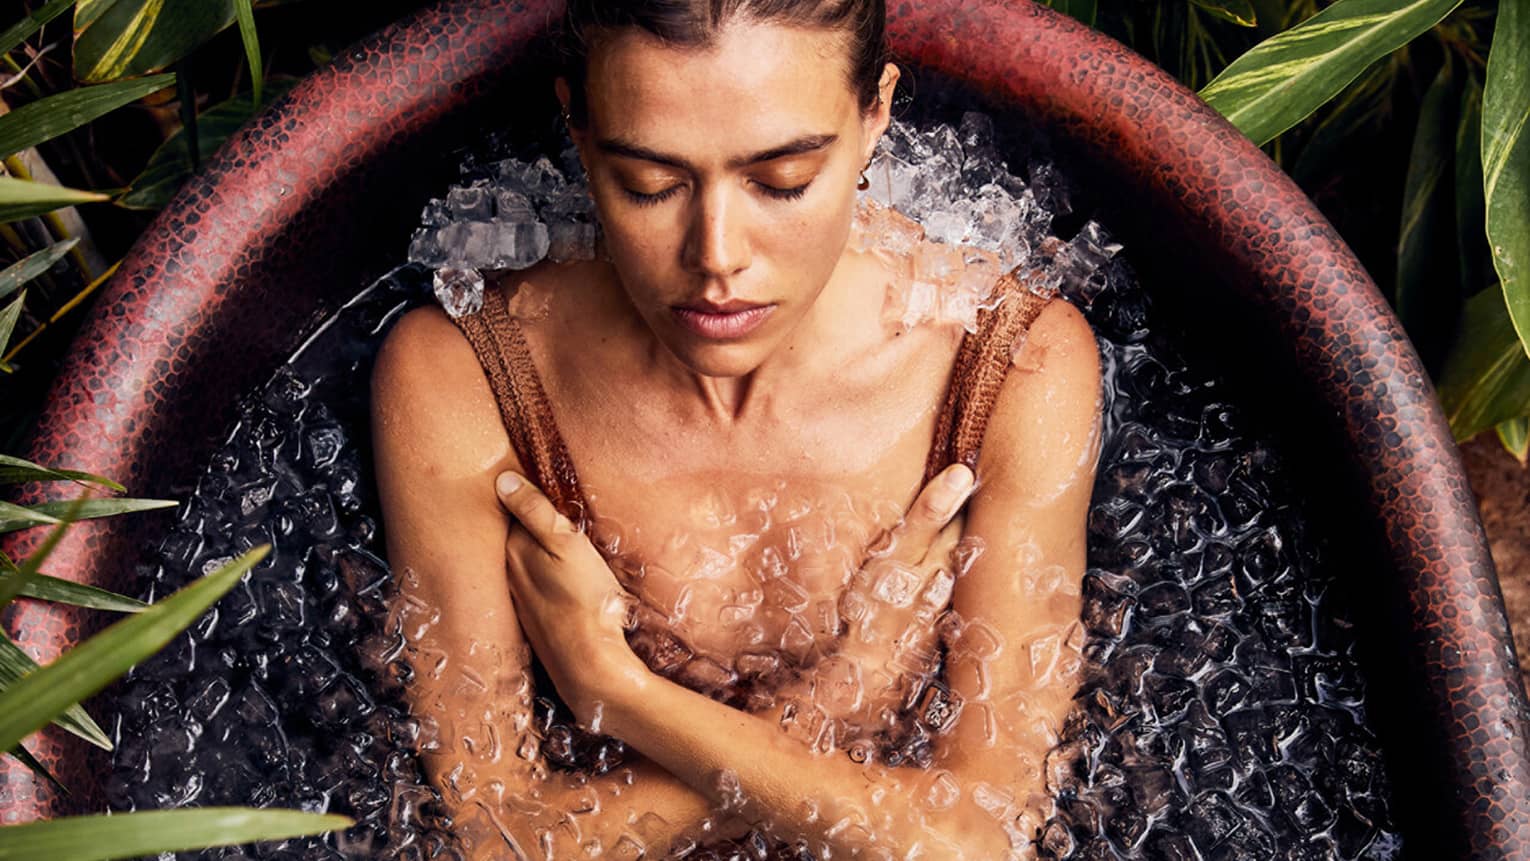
31, 697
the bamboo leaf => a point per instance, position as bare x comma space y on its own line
33, 265
1515, 436
251, 40
1486, 380
23, 30
89, 509
20, 198
133, 37
8, 318
14, 517
87, 668
14, 664
1506, 159
14, 470
1427, 301
130, 835
37, 768
169, 166
1472, 250
1240, 12
47, 118
86, 12
15, 579
45, 588
1291, 74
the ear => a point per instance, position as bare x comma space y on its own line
880, 115
561, 90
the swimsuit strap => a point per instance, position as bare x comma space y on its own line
981, 366
982, 363
527, 413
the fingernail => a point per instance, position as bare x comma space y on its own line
959, 479
507, 483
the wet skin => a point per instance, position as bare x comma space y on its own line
680, 441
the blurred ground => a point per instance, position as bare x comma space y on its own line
1503, 493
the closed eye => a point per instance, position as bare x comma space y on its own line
642, 199
785, 193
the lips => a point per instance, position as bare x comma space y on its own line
732, 319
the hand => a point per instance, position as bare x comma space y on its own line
889, 610
907, 580
568, 602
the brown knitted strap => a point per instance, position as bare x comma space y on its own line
527, 414
981, 365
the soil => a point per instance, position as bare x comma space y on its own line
1502, 486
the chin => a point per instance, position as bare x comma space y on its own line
721, 360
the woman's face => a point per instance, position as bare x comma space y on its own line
725, 181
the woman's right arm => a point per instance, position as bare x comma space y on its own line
439, 442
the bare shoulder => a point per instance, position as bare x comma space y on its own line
1044, 431
431, 402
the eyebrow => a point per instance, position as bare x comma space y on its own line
804, 144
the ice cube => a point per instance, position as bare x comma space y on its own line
459, 290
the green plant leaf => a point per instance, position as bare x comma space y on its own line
130, 835
120, 38
1515, 436
169, 166
1425, 302
14, 664
1472, 252
88, 510
1083, 10
20, 198
49, 117
1240, 12
8, 317
15, 578
1486, 380
33, 265
14, 470
46, 588
251, 40
1506, 159
14, 517
23, 29
87, 668
1291, 74
37, 768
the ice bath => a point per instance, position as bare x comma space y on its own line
1186, 513
1209, 806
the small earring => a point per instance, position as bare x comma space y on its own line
864, 183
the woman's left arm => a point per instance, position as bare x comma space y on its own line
1012, 665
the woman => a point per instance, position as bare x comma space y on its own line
752, 447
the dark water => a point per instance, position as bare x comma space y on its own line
1225, 716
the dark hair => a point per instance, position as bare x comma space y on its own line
696, 24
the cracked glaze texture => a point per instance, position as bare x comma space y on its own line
221, 285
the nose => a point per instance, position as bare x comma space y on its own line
717, 242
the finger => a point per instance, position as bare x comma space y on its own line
936, 504
531, 508
944, 543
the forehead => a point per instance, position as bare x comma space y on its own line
757, 83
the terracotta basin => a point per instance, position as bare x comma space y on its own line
286, 221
